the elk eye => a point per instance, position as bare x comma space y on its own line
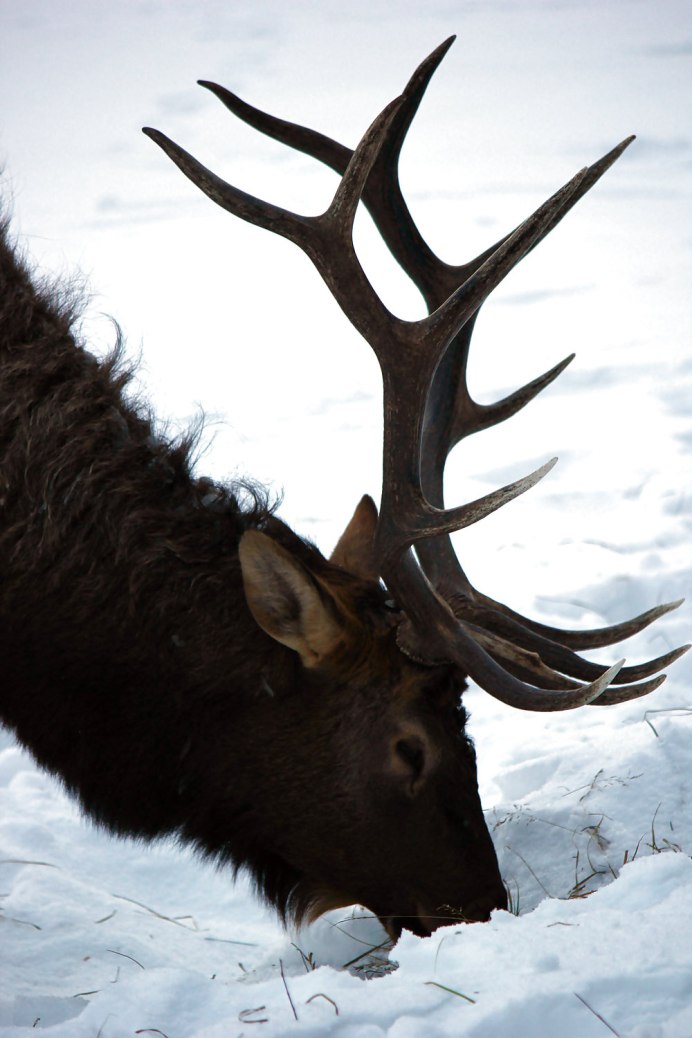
411, 753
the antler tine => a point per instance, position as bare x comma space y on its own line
445, 322
426, 521
487, 415
595, 638
624, 693
240, 203
300, 138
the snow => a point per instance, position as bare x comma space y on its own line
590, 810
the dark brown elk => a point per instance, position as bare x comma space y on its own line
188, 666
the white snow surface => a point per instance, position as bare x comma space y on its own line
590, 810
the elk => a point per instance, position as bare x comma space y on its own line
188, 666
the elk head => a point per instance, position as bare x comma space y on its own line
395, 638
368, 757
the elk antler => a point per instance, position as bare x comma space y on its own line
428, 408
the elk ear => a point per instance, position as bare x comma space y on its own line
286, 600
355, 550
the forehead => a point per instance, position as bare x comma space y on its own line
409, 681
372, 653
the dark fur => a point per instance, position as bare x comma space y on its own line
106, 535
130, 664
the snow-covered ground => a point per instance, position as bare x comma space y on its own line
590, 810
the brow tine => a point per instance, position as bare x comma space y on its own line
499, 631
592, 638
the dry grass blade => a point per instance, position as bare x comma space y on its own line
308, 960
370, 950
20, 861
227, 940
125, 956
22, 922
525, 862
598, 1015
579, 891
512, 898
452, 991
245, 1014
678, 711
288, 993
319, 994
152, 911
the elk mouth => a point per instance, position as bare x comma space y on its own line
422, 924
426, 921
394, 925
480, 909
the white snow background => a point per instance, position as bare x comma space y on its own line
590, 810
